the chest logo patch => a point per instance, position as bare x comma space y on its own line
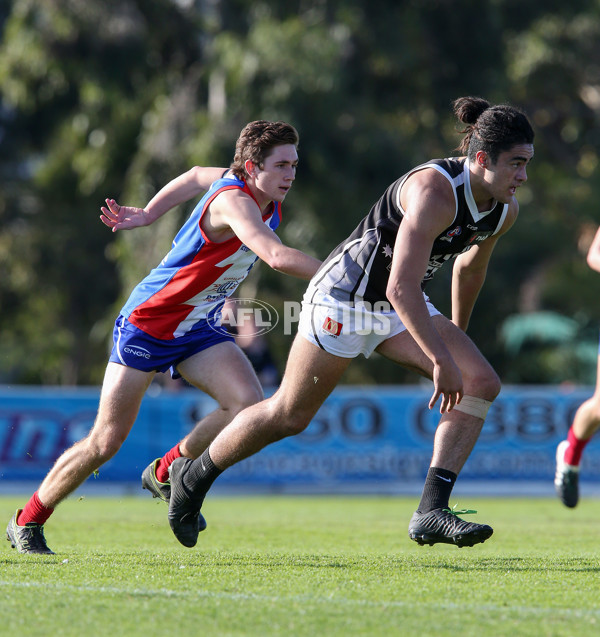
453, 232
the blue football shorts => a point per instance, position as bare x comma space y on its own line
132, 347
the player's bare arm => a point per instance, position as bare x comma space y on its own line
183, 188
470, 270
429, 206
236, 213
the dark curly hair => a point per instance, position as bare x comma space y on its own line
493, 129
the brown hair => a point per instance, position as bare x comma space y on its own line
493, 129
256, 141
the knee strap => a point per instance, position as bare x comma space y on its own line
474, 406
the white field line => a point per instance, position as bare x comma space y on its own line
537, 611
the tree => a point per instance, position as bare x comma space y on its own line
90, 112
75, 100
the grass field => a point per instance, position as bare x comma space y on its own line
304, 566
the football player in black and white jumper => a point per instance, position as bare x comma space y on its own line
369, 295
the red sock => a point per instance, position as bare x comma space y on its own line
34, 511
575, 449
162, 468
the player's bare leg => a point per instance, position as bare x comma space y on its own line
569, 452
455, 437
310, 376
225, 374
120, 399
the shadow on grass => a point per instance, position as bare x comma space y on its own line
515, 564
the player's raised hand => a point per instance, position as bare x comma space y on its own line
123, 217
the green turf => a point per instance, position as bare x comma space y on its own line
304, 566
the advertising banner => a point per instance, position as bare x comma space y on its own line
363, 439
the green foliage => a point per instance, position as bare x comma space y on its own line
75, 104
113, 98
298, 566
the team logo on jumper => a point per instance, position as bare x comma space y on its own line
387, 251
482, 236
455, 232
226, 286
332, 327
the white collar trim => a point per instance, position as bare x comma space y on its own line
469, 196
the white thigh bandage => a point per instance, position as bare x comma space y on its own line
474, 406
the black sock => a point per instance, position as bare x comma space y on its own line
200, 476
437, 490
